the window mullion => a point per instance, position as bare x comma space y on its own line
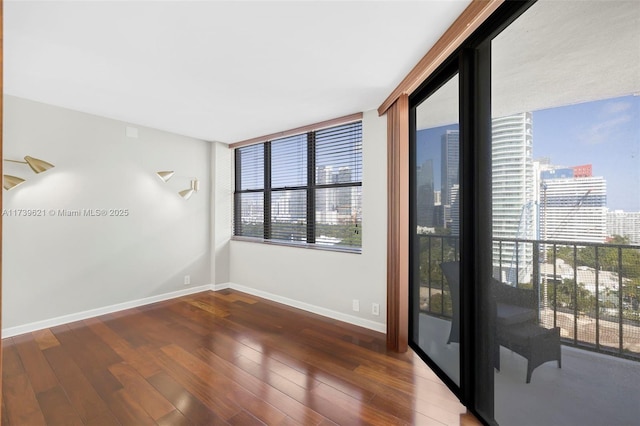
237, 209
267, 191
311, 187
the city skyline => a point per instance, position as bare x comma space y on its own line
573, 135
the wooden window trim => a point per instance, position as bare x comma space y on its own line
1, 115
398, 225
396, 106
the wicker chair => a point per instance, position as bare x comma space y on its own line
516, 322
451, 271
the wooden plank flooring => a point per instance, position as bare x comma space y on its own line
217, 358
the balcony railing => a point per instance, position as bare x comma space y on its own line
591, 291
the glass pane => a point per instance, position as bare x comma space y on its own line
289, 162
339, 216
289, 216
435, 284
566, 197
251, 166
339, 154
251, 215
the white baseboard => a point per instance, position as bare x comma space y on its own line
79, 316
65, 319
361, 322
216, 287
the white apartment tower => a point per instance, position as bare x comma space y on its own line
326, 200
574, 209
425, 194
626, 224
455, 209
450, 161
513, 196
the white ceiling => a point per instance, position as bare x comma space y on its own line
557, 53
217, 70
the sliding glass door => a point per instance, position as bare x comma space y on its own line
435, 228
565, 144
525, 203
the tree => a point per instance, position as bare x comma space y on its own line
608, 258
433, 250
565, 296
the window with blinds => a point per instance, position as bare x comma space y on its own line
302, 189
289, 189
249, 197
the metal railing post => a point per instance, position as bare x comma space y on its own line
429, 273
620, 290
441, 277
535, 276
517, 266
500, 261
575, 294
597, 265
555, 287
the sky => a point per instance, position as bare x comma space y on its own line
428, 147
603, 133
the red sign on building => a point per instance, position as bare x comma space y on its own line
582, 171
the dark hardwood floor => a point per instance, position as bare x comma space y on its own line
217, 358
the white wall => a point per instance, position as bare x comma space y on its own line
55, 266
325, 280
221, 211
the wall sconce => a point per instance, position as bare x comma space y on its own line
165, 176
185, 193
37, 165
10, 182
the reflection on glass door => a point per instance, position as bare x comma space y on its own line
436, 227
565, 180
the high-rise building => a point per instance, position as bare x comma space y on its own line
455, 210
449, 163
625, 224
585, 170
513, 195
324, 175
550, 172
326, 202
574, 209
344, 196
335, 205
425, 194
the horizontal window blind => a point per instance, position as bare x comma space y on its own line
302, 189
251, 206
339, 216
251, 167
339, 154
289, 207
289, 162
289, 216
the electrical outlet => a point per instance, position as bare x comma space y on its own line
356, 305
187, 279
375, 308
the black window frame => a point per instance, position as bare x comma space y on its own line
310, 188
472, 61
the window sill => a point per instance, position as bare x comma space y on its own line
341, 249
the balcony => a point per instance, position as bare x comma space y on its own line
590, 291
